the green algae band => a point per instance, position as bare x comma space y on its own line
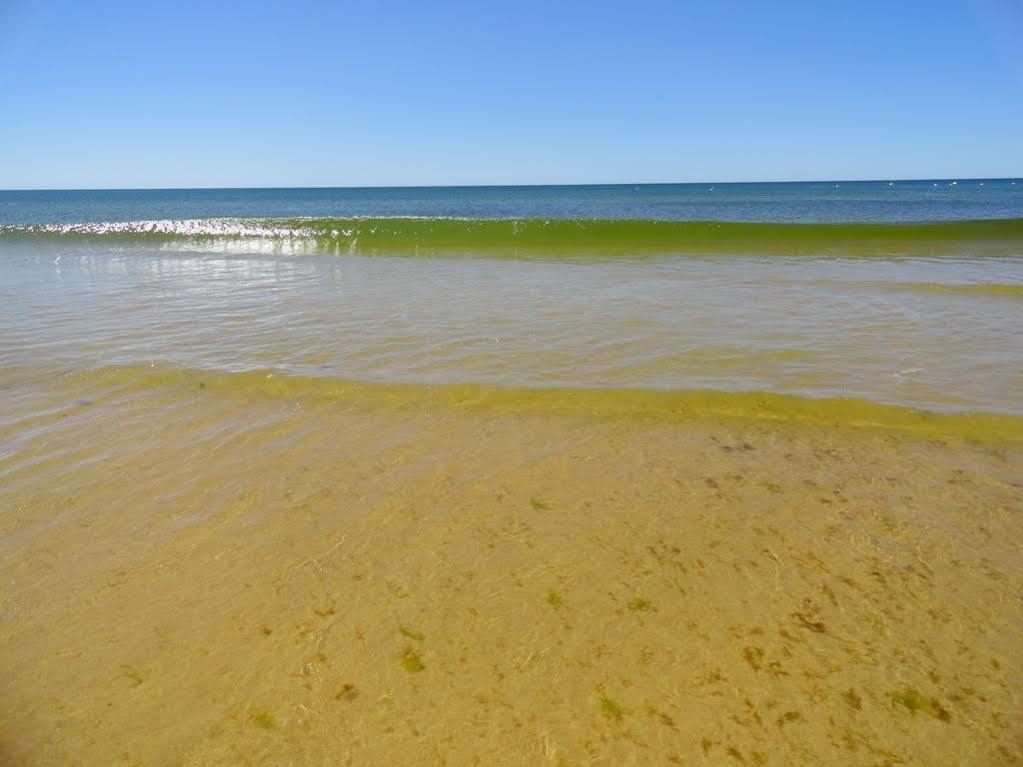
553, 237
657, 406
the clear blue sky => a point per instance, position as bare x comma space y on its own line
199, 93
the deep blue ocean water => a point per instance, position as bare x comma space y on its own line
824, 201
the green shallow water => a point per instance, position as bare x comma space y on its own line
539, 237
661, 406
934, 332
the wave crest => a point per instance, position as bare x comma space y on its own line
534, 236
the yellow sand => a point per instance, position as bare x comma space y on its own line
215, 575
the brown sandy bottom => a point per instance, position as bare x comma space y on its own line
206, 578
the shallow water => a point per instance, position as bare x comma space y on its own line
484, 492
933, 332
197, 572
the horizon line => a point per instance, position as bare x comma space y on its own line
504, 186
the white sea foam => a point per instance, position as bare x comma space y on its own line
201, 227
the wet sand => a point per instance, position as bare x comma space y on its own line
197, 575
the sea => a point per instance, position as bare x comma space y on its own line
696, 474
906, 293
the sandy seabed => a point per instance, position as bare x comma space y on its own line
197, 576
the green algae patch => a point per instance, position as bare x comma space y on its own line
412, 661
754, 657
397, 590
539, 504
611, 708
404, 630
788, 718
263, 719
988, 429
554, 600
546, 238
132, 674
640, 605
852, 699
914, 702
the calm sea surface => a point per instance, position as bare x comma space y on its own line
824, 201
836, 296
